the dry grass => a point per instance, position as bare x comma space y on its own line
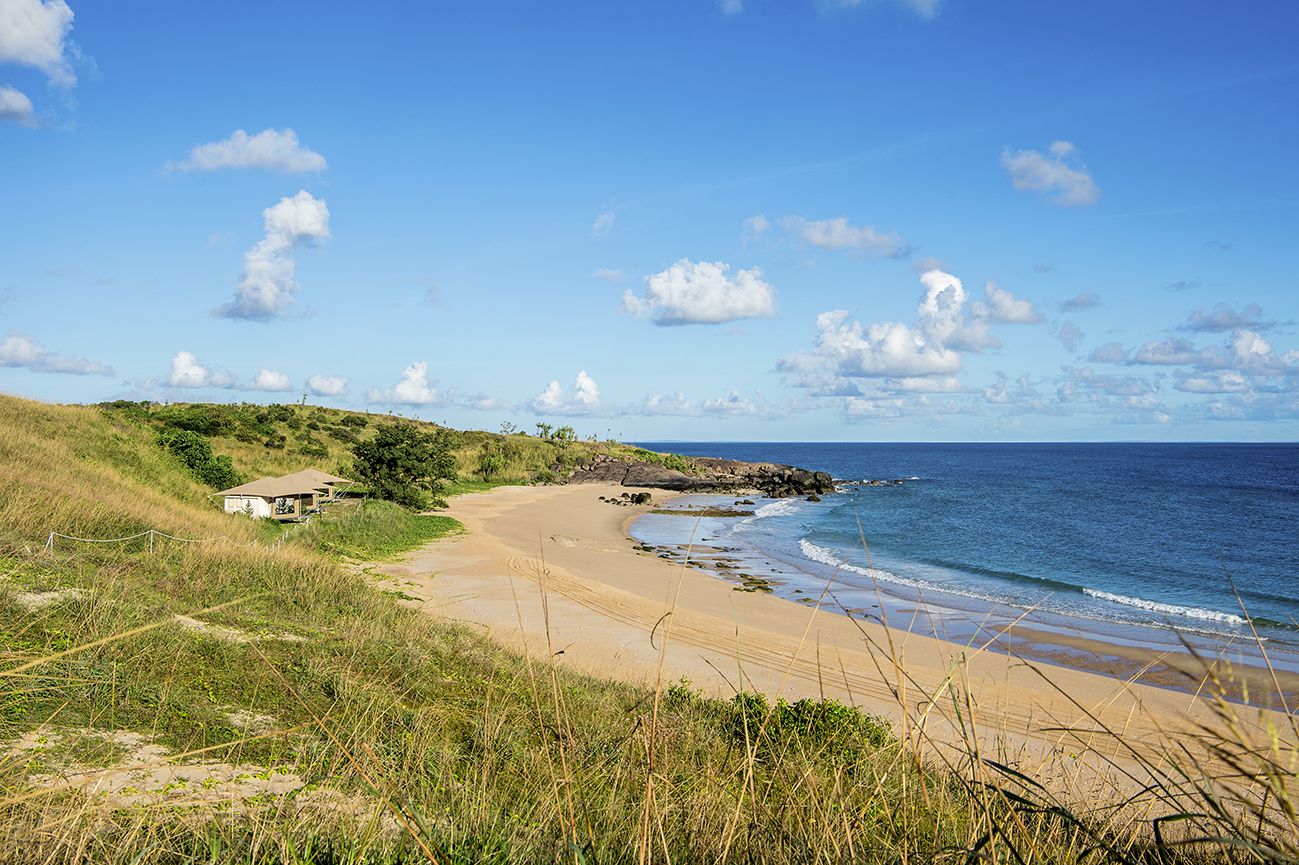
376, 734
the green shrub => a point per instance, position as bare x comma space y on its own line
196, 453
207, 420
827, 725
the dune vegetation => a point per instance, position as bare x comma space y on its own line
249, 694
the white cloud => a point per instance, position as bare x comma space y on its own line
1067, 184
610, 274
1023, 395
946, 325
33, 33
731, 7
1005, 308
837, 233
413, 389
1110, 352
326, 385
275, 150
554, 401
1069, 334
603, 223
271, 380
187, 371
1169, 352
1223, 318
731, 405
268, 284
23, 352
754, 227
702, 293
1079, 302
888, 349
16, 107
1217, 382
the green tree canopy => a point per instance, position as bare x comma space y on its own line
405, 464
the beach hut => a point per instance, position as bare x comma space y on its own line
285, 498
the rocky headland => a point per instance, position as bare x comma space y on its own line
706, 475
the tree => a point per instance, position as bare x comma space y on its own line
405, 464
543, 430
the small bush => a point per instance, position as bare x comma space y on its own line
196, 453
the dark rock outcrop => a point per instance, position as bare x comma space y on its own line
713, 475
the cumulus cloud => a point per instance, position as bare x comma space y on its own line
1223, 318
189, 372
271, 380
1005, 308
838, 233
731, 405
754, 228
16, 107
1069, 334
23, 352
584, 399
946, 325
1058, 174
268, 284
271, 149
702, 293
1080, 302
1110, 352
326, 385
603, 223
34, 33
1021, 394
413, 389
1246, 362
1225, 381
922, 357
1174, 351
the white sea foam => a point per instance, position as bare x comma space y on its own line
826, 557
779, 507
1167, 609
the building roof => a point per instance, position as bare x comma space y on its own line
319, 478
272, 487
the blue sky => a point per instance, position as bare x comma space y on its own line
821, 220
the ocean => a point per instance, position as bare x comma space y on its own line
1174, 546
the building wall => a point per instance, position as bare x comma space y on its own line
254, 506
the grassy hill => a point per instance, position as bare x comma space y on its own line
272, 440
253, 698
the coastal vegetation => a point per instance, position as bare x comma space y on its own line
247, 695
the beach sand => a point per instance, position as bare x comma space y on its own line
610, 609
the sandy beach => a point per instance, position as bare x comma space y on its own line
611, 609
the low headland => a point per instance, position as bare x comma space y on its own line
509, 678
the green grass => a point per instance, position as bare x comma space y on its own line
371, 530
418, 739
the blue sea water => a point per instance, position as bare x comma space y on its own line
1141, 542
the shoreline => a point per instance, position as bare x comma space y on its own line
550, 571
1121, 650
